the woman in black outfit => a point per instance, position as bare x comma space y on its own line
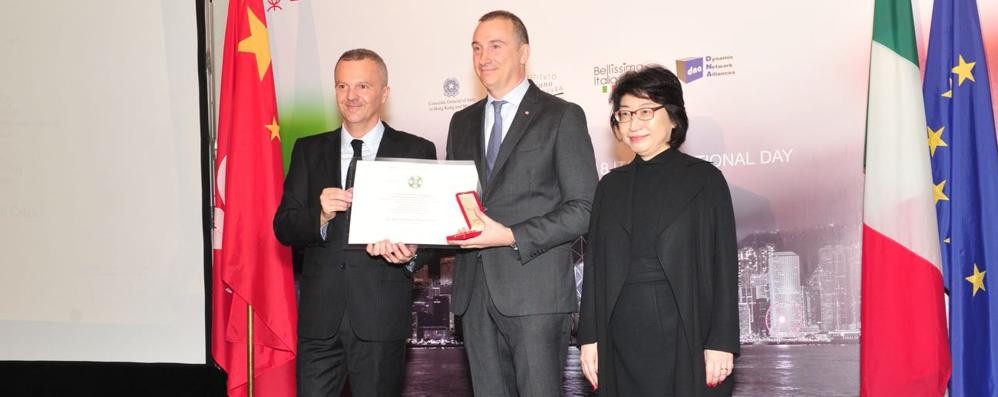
659, 313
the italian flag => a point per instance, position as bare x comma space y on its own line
904, 349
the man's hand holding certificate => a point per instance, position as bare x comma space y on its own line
413, 202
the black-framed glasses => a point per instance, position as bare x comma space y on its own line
645, 114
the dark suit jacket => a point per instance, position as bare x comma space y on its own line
696, 248
541, 187
378, 292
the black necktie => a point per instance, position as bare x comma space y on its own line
352, 169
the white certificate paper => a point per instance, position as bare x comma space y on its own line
409, 201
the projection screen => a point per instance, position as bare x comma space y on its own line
101, 251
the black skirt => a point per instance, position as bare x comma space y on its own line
650, 352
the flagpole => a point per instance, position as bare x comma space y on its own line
249, 349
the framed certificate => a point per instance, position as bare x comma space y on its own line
412, 201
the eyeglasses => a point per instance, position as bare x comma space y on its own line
624, 116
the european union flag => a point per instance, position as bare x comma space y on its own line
961, 137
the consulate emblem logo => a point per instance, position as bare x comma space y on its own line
451, 87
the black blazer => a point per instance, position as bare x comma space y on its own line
541, 188
696, 247
379, 293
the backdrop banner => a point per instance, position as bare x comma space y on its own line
776, 97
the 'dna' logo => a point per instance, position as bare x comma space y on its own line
451, 87
690, 69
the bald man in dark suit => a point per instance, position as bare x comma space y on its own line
514, 284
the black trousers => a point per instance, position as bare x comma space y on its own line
375, 368
513, 355
650, 354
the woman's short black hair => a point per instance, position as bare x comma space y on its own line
659, 85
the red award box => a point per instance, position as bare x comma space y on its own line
467, 201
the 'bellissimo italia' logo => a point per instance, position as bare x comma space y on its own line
605, 76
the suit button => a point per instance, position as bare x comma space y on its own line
343, 265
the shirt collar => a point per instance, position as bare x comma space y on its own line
372, 138
515, 96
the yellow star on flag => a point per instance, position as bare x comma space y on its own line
949, 92
275, 130
936, 140
977, 280
964, 71
937, 192
257, 43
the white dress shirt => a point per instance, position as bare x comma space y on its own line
508, 112
372, 141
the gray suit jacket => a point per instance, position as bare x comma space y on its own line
541, 187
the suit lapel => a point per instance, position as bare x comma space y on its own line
475, 141
529, 107
331, 158
390, 146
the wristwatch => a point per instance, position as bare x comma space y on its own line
409, 268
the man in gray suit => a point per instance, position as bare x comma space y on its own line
514, 285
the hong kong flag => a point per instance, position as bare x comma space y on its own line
251, 270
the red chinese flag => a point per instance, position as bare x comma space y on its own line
250, 266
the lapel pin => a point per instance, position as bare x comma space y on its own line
526, 112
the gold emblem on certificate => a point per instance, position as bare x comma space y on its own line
415, 182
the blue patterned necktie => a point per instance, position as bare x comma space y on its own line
495, 138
